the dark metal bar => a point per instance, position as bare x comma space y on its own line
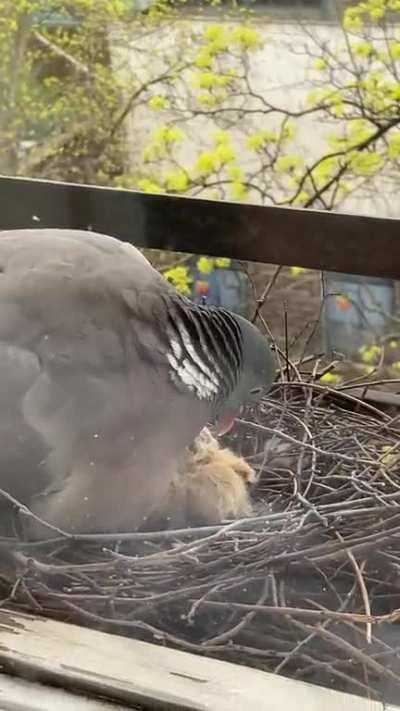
351, 244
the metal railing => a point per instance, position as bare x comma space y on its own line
353, 244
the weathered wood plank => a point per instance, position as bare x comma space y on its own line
21, 695
132, 672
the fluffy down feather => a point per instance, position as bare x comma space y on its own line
211, 485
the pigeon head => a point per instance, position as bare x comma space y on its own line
258, 367
220, 357
257, 374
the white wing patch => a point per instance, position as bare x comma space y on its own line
176, 347
194, 355
191, 376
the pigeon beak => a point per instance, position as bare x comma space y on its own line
225, 423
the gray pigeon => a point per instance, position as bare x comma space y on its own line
107, 374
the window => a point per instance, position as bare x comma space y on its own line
287, 7
195, 135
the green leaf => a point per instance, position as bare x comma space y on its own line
260, 138
177, 181
377, 13
352, 20
247, 37
288, 163
204, 59
394, 145
221, 137
320, 64
150, 186
363, 49
158, 102
330, 378
239, 190
297, 271
180, 277
225, 153
168, 135
370, 353
207, 162
222, 262
205, 265
365, 163
301, 199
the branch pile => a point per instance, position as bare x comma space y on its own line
309, 587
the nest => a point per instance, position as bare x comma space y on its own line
307, 587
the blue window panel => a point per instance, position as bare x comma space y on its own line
229, 288
357, 310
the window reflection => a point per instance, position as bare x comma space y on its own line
272, 543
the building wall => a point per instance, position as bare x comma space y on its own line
281, 72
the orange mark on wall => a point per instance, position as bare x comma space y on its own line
202, 287
343, 303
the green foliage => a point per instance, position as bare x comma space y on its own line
365, 164
370, 354
180, 277
163, 103
288, 163
217, 60
389, 456
150, 186
320, 64
357, 91
205, 265
297, 271
58, 90
158, 102
394, 145
330, 378
177, 181
259, 139
374, 11
222, 262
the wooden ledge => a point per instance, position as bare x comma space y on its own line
17, 694
131, 672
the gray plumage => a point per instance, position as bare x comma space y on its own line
106, 375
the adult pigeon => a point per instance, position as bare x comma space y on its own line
107, 375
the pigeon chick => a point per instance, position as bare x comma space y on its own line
211, 485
